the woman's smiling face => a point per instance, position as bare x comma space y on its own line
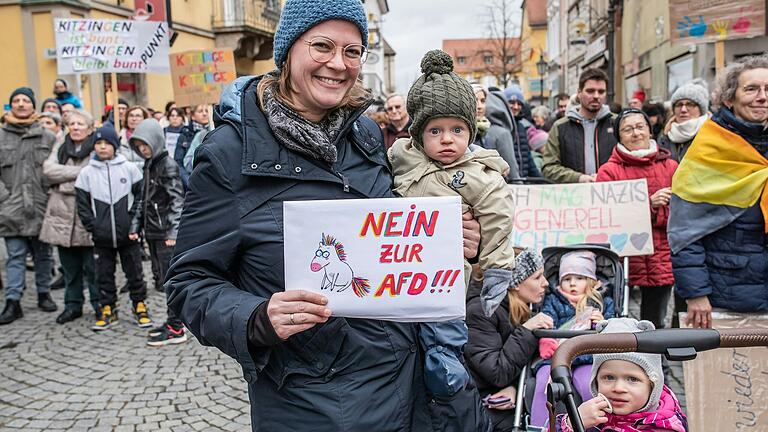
320, 87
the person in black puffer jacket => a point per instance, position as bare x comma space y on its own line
501, 342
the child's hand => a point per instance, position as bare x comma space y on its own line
170, 242
594, 412
509, 392
596, 316
133, 236
540, 321
547, 347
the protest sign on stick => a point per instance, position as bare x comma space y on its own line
104, 46
200, 76
608, 212
398, 259
729, 382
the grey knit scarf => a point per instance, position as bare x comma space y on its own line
296, 133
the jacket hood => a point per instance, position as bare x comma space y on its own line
149, 131
230, 107
623, 158
574, 113
497, 111
410, 164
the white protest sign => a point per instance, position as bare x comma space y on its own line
608, 212
398, 259
105, 46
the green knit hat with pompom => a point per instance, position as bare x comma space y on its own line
440, 93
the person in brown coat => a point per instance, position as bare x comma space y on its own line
61, 225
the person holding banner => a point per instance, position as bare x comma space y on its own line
637, 156
297, 133
719, 207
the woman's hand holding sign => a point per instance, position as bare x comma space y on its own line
292, 312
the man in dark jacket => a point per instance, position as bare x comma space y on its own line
520, 111
582, 141
24, 146
158, 214
399, 120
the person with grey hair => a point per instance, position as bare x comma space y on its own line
52, 122
61, 224
399, 120
690, 109
718, 236
540, 116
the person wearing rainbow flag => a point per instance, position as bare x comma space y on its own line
719, 208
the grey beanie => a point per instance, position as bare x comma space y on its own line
497, 282
695, 90
440, 93
650, 363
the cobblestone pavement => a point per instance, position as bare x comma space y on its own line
56, 377
66, 377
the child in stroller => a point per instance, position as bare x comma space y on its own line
628, 389
577, 303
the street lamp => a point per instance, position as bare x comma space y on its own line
541, 67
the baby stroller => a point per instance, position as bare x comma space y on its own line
609, 271
675, 344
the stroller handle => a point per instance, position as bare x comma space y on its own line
681, 344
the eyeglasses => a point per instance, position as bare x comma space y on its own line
322, 50
641, 127
688, 105
754, 89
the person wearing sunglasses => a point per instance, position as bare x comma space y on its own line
690, 109
637, 156
719, 207
297, 133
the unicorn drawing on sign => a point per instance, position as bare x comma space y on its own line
331, 259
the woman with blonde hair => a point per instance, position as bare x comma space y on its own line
501, 341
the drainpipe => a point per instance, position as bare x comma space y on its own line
612, 6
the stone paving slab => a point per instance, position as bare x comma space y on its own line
66, 377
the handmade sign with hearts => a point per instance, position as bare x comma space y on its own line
613, 213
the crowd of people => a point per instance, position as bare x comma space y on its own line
98, 195
95, 194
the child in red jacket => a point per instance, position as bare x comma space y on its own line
637, 156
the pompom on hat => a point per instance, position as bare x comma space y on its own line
439, 92
298, 16
650, 363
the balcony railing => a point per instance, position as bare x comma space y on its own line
255, 15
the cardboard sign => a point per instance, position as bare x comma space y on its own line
726, 389
397, 259
557, 215
200, 76
103, 46
701, 21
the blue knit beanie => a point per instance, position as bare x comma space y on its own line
514, 92
298, 16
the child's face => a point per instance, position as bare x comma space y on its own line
574, 286
445, 139
144, 149
104, 150
625, 384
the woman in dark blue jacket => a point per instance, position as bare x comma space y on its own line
719, 243
297, 134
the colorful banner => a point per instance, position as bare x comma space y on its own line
397, 259
700, 21
611, 212
200, 76
103, 46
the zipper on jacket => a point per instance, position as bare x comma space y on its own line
344, 180
159, 220
111, 209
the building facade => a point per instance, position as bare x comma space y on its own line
533, 37
247, 26
378, 70
490, 62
